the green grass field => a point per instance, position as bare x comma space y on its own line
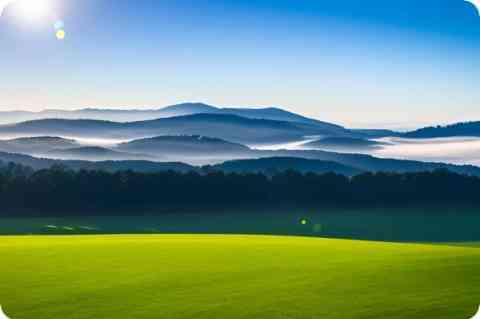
230, 277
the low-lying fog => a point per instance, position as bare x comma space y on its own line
454, 150
298, 145
102, 142
86, 141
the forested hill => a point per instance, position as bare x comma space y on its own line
59, 191
467, 129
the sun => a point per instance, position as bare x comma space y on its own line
33, 10
476, 3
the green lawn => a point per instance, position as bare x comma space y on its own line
230, 277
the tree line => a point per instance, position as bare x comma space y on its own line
62, 191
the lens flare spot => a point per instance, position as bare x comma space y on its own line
59, 25
60, 34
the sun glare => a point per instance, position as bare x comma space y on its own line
33, 10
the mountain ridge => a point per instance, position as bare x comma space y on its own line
229, 127
365, 163
272, 165
461, 129
183, 144
131, 115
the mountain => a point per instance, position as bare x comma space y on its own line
348, 144
370, 163
352, 161
111, 166
92, 153
187, 109
228, 127
277, 114
8, 117
36, 145
259, 113
190, 145
131, 115
88, 113
60, 127
280, 164
467, 129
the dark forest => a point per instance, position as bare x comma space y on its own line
61, 191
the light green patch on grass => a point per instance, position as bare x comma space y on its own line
462, 244
233, 277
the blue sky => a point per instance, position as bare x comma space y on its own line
359, 63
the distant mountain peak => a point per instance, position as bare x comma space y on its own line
190, 107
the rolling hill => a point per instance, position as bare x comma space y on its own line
467, 129
344, 162
183, 145
229, 127
274, 165
278, 114
111, 166
131, 115
94, 153
372, 164
235, 277
36, 145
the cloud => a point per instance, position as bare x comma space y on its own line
476, 3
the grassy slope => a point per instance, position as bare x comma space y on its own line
181, 276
